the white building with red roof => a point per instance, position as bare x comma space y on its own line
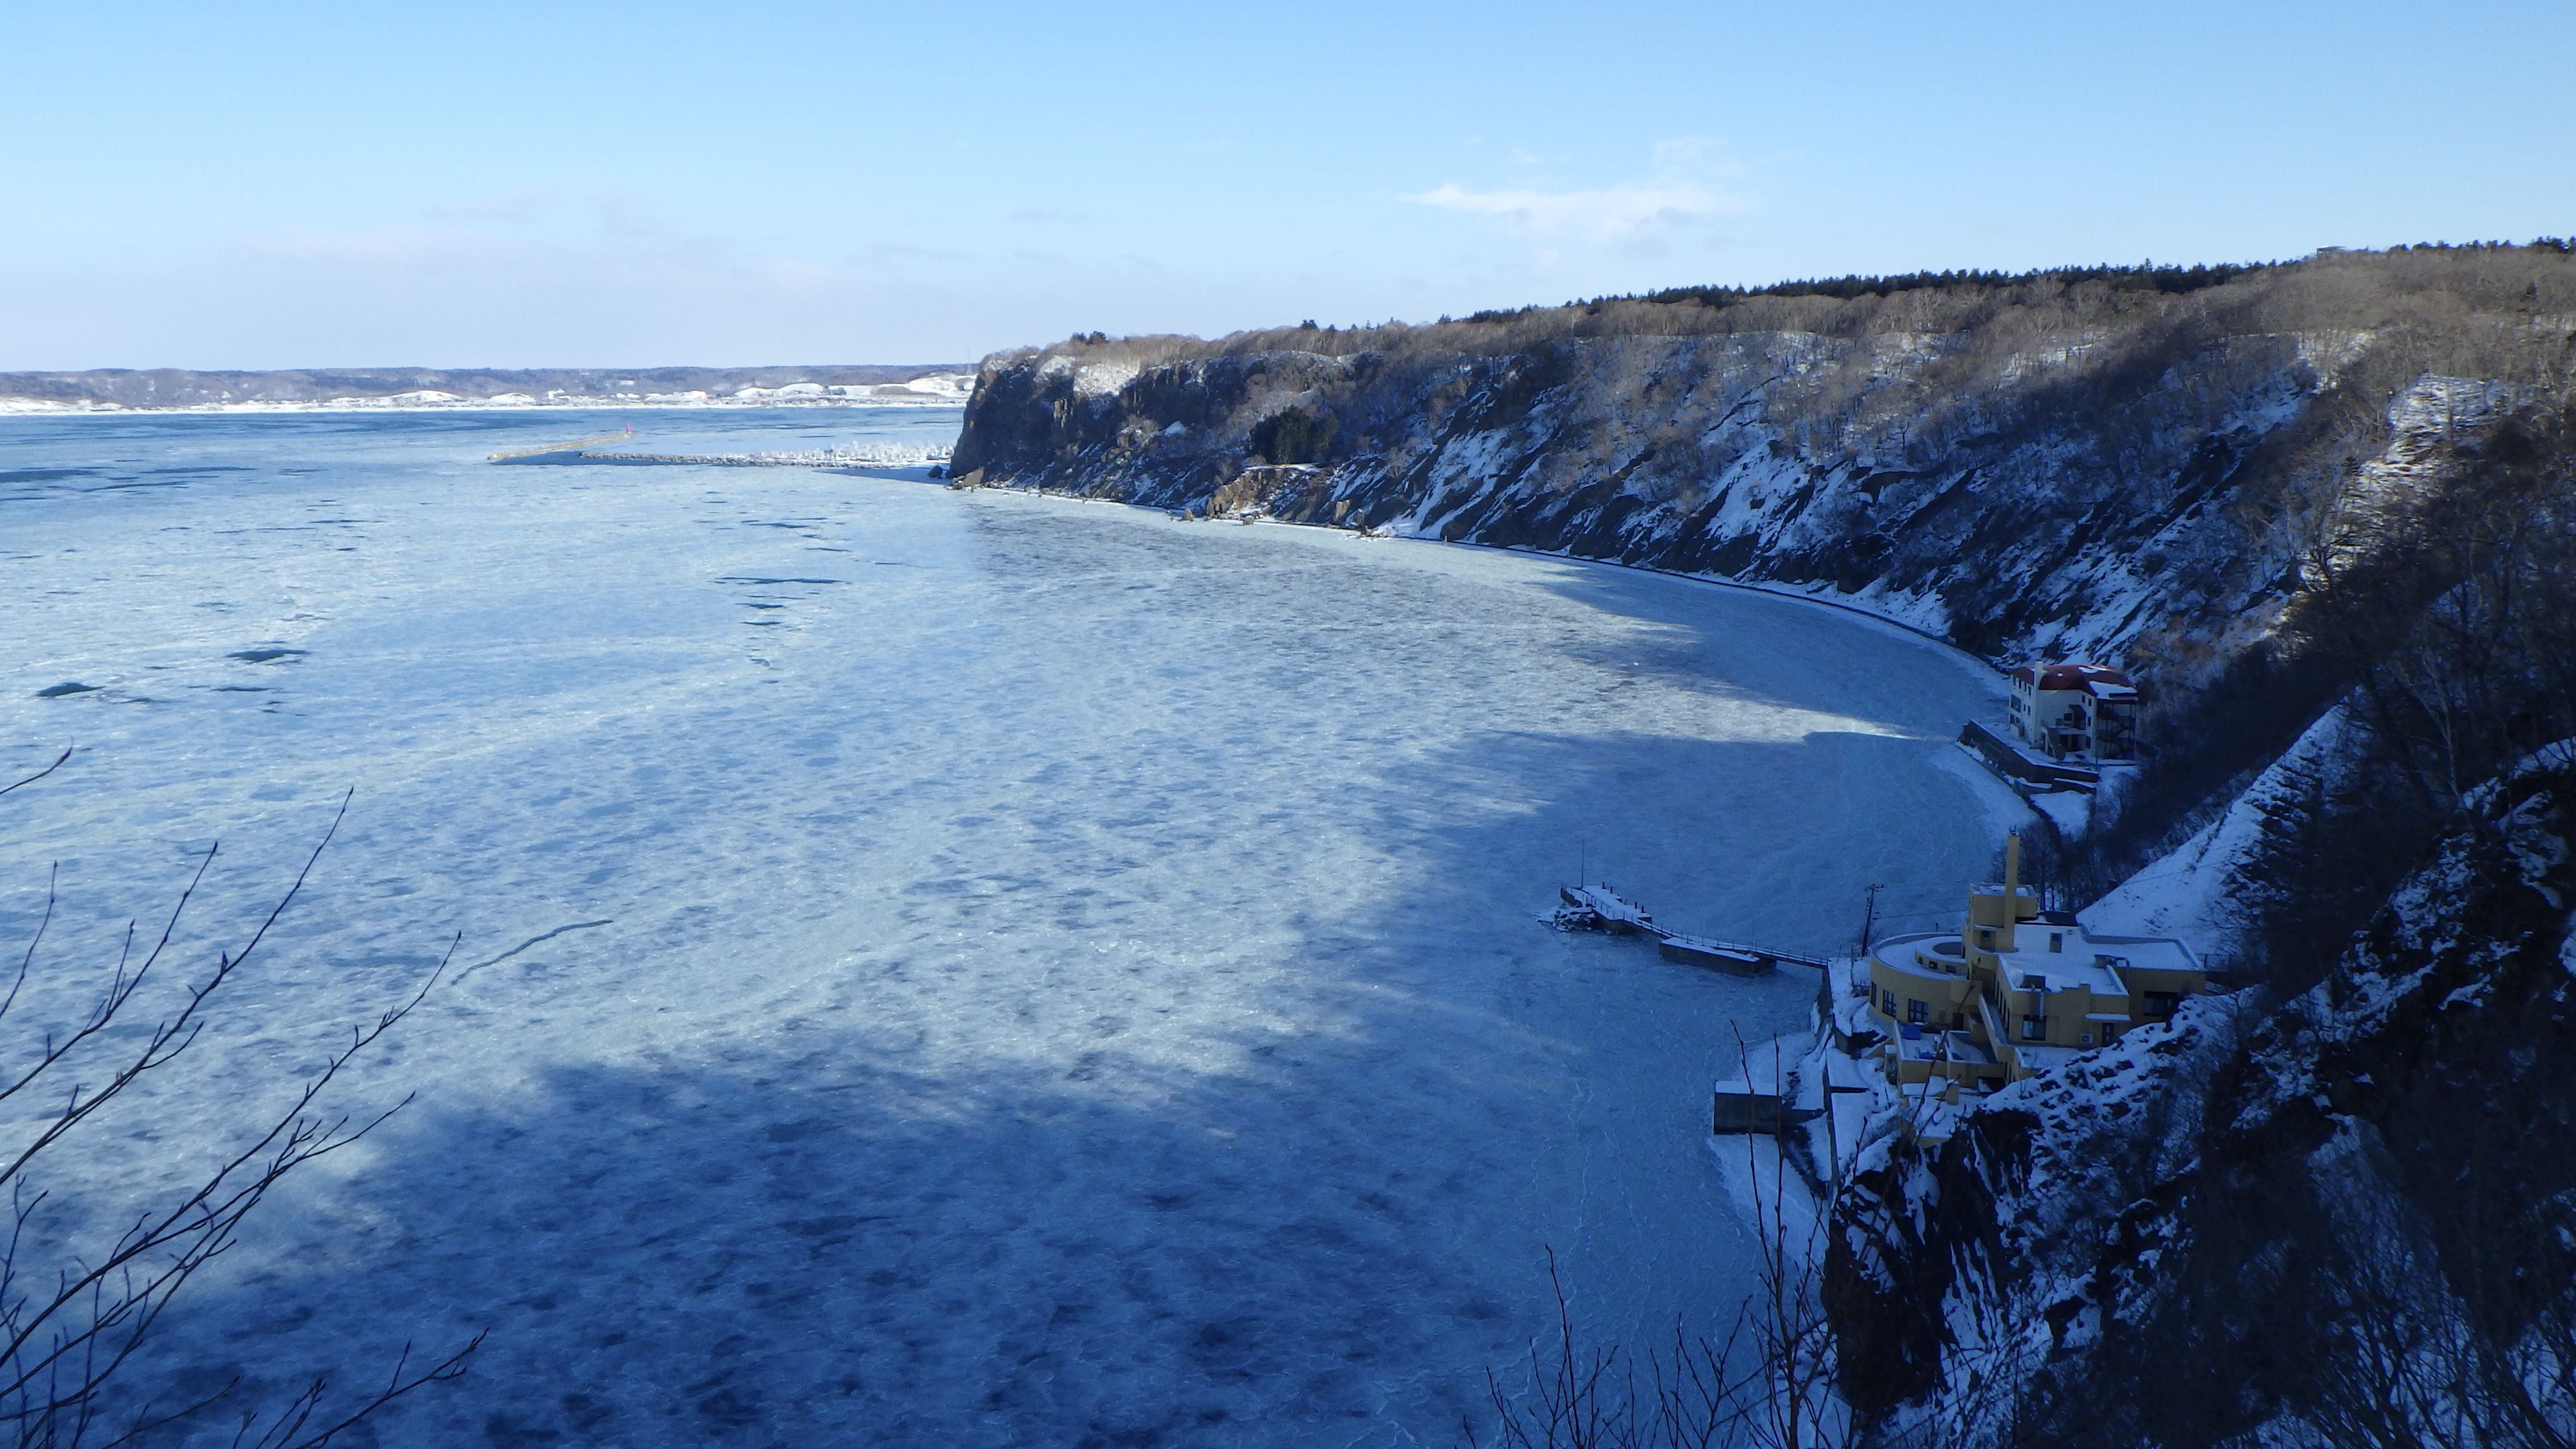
2076, 711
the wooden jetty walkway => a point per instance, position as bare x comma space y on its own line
1599, 908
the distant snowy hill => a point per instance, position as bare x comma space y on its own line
427, 387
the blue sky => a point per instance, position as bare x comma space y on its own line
573, 184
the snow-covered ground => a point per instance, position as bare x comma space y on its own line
944, 967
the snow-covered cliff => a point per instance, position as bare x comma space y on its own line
2328, 511
2052, 466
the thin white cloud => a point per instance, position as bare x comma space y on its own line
1609, 213
1680, 190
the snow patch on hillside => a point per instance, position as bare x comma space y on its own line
2198, 890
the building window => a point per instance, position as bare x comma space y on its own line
2034, 1028
2162, 1003
1890, 1003
2057, 940
1917, 1013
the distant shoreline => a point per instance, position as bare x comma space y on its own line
47, 407
437, 389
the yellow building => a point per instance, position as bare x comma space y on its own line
2017, 990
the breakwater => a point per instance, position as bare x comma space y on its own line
863, 455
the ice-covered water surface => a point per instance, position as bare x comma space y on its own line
1005, 970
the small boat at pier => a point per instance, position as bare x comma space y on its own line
1599, 908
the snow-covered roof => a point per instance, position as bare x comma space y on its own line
1758, 1075
1901, 953
1914, 1044
2145, 953
2082, 958
2087, 960
2099, 680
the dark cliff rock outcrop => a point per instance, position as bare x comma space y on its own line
2050, 464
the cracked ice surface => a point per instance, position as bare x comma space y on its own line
1004, 970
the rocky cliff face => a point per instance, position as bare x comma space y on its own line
2038, 468
2349, 1221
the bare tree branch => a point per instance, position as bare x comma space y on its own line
40, 774
64, 1341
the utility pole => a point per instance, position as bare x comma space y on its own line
1868, 916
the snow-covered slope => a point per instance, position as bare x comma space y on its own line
2209, 888
2348, 1220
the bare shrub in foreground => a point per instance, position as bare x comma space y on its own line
70, 1328
1768, 1381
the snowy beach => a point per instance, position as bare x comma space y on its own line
945, 967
